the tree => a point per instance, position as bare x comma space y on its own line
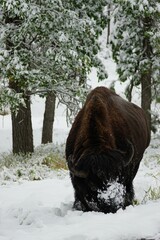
48, 120
22, 133
136, 47
43, 44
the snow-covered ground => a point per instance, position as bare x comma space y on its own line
42, 210
38, 210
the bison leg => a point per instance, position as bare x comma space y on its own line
80, 204
80, 189
129, 197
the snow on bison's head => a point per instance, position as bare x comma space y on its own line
104, 149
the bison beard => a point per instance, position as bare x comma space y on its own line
103, 151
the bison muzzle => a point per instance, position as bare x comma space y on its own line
104, 149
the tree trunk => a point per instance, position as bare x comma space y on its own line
129, 90
146, 96
109, 24
146, 77
48, 120
22, 133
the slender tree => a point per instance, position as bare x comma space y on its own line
146, 75
48, 120
22, 133
136, 48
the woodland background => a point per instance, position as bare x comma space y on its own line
48, 48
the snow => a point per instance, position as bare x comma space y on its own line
114, 193
43, 210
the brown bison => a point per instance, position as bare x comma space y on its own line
104, 149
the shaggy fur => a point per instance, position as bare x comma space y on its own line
105, 144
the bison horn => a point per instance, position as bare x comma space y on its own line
77, 173
130, 152
80, 174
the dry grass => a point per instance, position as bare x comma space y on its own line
54, 161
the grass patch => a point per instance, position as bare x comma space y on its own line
11, 160
46, 162
135, 202
157, 157
54, 161
153, 193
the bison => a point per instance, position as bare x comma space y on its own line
103, 151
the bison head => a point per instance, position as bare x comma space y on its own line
99, 179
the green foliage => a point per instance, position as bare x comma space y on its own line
48, 45
135, 41
8, 97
